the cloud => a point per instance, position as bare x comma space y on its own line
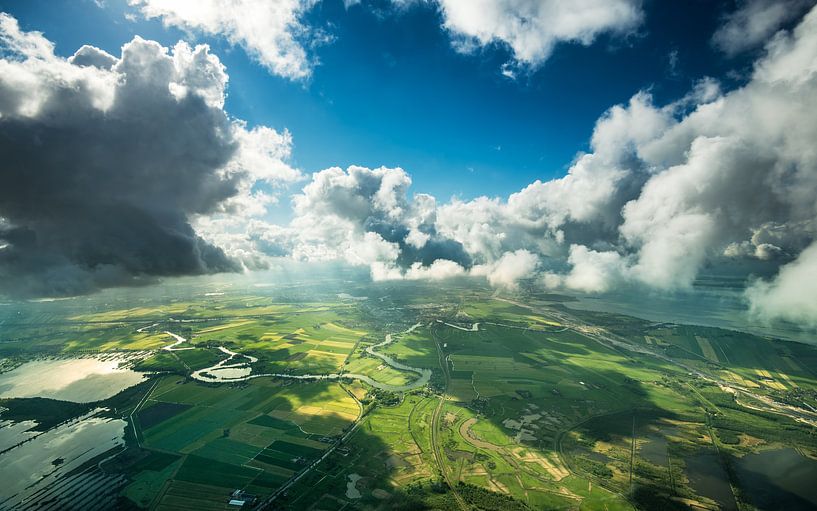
438, 270
791, 295
592, 271
532, 28
508, 270
360, 216
271, 32
735, 177
107, 159
754, 22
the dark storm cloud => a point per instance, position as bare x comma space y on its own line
103, 162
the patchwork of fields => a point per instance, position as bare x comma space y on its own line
557, 419
528, 406
213, 440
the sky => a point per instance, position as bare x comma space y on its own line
390, 89
587, 145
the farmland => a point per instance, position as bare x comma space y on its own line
528, 403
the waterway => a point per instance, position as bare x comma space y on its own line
228, 371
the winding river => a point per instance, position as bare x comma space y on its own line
230, 371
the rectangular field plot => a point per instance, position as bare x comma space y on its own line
295, 449
377, 370
186, 496
227, 450
159, 412
215, 473
186, 429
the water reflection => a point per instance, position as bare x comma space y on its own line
81, 380
31, 470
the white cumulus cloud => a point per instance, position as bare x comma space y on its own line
532, 28
272, 32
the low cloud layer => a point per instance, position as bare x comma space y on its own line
105, 160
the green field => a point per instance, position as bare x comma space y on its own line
252, 437
538, 407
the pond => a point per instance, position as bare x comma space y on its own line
81, 380
778, 479
709, 479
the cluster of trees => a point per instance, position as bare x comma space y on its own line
486, 500
381, 397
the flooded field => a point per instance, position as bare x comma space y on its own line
81, 380
779, 479
12, 433
39, 470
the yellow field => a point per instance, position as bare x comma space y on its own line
543, 321
339, 344
740, 380
552, 466
133, 313
145, 341
763, 373
320, 419
344, 330
341, 356
785, 377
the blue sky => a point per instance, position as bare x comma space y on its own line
390, 90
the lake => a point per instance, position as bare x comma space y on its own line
81, 380
778, 479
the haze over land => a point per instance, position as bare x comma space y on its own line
408, 254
